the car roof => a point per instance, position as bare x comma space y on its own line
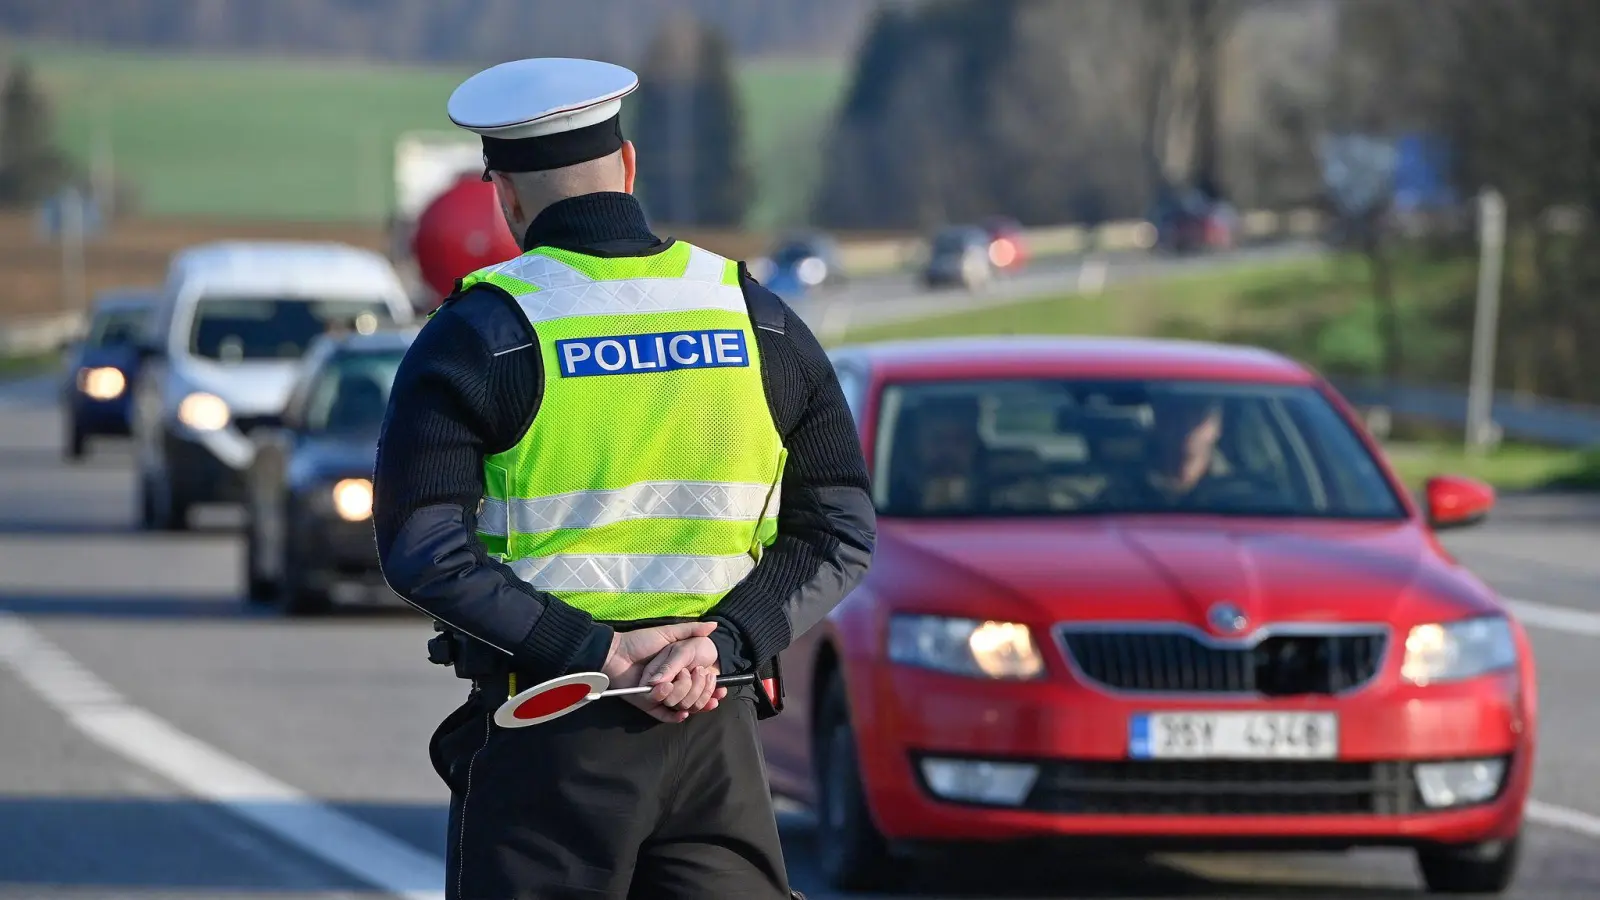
967, 233
286, 266
125, 298
1073, 356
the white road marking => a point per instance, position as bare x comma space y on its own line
290, 814
1564, 818
1555, 618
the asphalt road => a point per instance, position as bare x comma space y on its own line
158, 740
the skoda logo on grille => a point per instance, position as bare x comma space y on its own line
1227, 618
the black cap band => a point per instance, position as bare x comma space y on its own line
553, 151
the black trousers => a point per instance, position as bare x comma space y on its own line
608, 802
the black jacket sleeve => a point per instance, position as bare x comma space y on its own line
826, 525
467, 388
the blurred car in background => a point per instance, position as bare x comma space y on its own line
1162, 593
801, 262
96, 395
1008, 243
308, 497
959, 256
1188, 221
225, 343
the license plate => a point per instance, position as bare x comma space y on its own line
1233, 735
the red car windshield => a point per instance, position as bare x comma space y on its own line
1005, 448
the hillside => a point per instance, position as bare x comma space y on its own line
295, 139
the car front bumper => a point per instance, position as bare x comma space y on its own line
197, 472
100, 417
1087, 786
327, 543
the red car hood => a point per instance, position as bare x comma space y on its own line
1168, 568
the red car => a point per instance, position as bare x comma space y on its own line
1158, 594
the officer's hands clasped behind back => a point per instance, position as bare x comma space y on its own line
679, 660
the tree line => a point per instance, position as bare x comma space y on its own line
1515, 89
430, 31
1084, 111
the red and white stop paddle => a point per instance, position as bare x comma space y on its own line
559, 696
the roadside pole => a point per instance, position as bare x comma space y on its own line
1480, 395
73, 287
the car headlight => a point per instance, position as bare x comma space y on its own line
1450, 651
103, 383
352, 499
203, 412
811, 271
965, 646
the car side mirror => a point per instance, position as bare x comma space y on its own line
1456, 502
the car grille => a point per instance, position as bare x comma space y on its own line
1212, 787
1181, 661
247, 424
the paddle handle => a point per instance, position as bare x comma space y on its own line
724, 681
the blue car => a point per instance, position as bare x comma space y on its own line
96, 397
786, 283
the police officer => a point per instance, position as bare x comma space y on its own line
615, 452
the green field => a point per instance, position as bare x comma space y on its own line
1510, 467
1318, 310
313, 139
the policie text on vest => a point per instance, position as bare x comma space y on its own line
637, 353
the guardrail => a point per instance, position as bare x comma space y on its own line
39, 335
878, 256
1514, 415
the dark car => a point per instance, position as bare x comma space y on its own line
308, 496
95, 399
1190, 221
959, 256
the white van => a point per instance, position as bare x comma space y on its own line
227, 336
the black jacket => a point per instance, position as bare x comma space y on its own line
469, 387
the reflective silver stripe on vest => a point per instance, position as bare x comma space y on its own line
565, 291
724, 501
634, 574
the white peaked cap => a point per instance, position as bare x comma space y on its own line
532, 98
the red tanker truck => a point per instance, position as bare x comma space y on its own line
460, 231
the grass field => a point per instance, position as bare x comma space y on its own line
1510, 467
311, 139
1318, 310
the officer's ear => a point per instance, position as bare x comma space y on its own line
510, 203
629, 166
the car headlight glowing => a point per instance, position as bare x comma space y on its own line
965, 646
1451, 651
811, 271
103, 383
352, 499
204, 412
